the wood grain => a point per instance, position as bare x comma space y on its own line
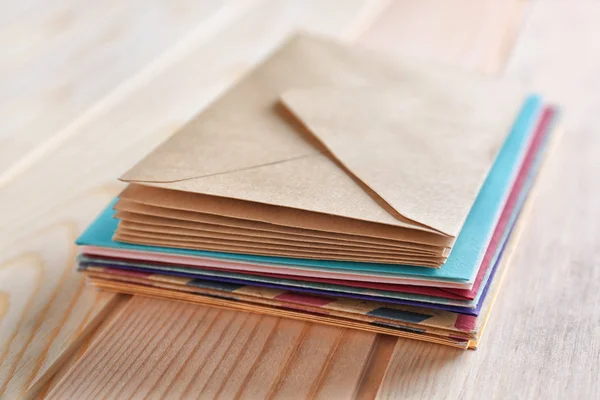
46, 205
59, 58
46, 382
47, 309
164, 349
46, 306
543, 339
151, 110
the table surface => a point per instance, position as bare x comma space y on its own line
87, 88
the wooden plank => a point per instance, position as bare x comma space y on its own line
59, 58
376, 366
48, 203
542, 340
76, 348
165, 349
345, 365
45, 307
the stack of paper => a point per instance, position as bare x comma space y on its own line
336, 186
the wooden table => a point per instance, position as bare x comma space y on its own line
88, 87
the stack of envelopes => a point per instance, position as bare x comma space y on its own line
336, 186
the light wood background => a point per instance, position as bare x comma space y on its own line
87, 88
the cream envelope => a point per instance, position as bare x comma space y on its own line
195, 205
328, 138
164, 225
259, 249
131, 210
180, 226
270, 243
244, 237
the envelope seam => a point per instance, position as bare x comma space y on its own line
221, 173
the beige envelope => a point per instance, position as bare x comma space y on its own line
249, 241
272, 244
221, 235
177, 201
373, 149
159, 216
265, 250
247, 236
301, 250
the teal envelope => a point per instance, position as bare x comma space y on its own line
468, 251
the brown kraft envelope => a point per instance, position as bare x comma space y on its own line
373, 148
325, 252
217, 233
159, 216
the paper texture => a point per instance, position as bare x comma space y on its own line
241, 147
232, 247
251, 236
269, 243
424, 146
446, 299
168, 226
269, 214
160, 216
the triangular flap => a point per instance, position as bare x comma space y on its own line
240, 130
423, 147
219, 144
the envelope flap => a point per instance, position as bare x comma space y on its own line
423, 146
240, 147
241, 129
219, 143
238, 131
